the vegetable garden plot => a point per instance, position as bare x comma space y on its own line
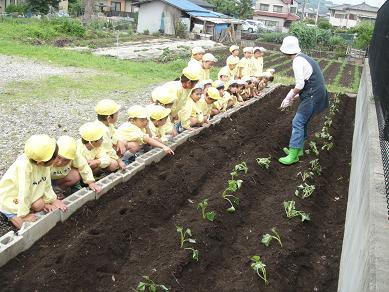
347, 76
132, 231
323, 63
273, 61
331, 72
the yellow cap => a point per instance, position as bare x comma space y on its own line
229, 83
197, 50
248, 50
40, 148
233, 48
192, 73
163, 95
67, 147
137, 111
159, 112
217, 83
107, 107
213, 93
91, 131
208, 57
231, 60
271, 70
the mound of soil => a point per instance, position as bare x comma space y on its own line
131, 231
347, 76
331, 72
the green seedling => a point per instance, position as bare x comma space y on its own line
327, 146
150, 285
315, 166
203, 205
306, 175
328, 123
259, 267
195, 253
183, 236
313, 148
291, 211
233, 186
264, 162
304, 191
239, 167
267, 238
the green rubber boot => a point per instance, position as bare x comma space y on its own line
292, 157
301, 151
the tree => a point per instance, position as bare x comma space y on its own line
237, 8
41, 6
364, 31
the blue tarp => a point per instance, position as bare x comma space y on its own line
193, 9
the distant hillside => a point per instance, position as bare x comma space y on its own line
324, 4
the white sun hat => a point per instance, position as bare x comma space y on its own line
290, 45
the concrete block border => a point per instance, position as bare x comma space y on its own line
11, 244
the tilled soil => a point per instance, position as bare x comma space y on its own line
331, 72
274, 61
348, 76
131, 231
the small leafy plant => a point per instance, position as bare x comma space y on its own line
267, 238
264, 162
150, 285
327, 146
315, 166
306, 175
195, 253
183, 236
313, 148
203, 205
291, 211
259, 267
304, 191
233, 186
239, 167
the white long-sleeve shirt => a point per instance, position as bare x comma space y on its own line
302, 71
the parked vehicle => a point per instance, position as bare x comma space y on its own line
254, 26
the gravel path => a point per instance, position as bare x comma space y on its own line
55, 117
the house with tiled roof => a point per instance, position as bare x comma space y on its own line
346, 15
278, 14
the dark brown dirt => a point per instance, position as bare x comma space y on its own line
347, 76
274, 61
109, 244
323, 63
331, 72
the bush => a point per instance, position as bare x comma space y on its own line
273, 37
146, 32
322, 36
364, 32
71, 27
20, 9
76, 8
324, 24
307, 35
181, 29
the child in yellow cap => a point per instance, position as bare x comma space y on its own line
206, 102
197, 56
229, 72
91, 148
136, 132
161, 95
107, 112
245, 67
231, 94
26, 186
207, 63
220, 105
180, 90
191, 115
257, 60
70, 166
161, 125
234, 50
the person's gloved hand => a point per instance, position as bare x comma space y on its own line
288, 99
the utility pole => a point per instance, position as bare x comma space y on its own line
302, 11
317, 12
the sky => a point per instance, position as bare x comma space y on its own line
377, 3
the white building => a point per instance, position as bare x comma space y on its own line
276, 13
350, 15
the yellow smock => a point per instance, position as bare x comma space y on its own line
222, 103
78, 163
204, 106
180, 95
131, 133
95, 153
232, 74
23, 184
246, 67
162, 132
194, 63
257, 66
190, 110
109, 140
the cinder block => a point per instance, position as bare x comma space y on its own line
215, 120
157, 154
146, 158
105, 184
181, 138
76, 201
132, 169
32, 231
11, 245
116, 178
172, 145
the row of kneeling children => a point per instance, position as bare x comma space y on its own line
38, 178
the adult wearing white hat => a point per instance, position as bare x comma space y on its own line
311, 88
